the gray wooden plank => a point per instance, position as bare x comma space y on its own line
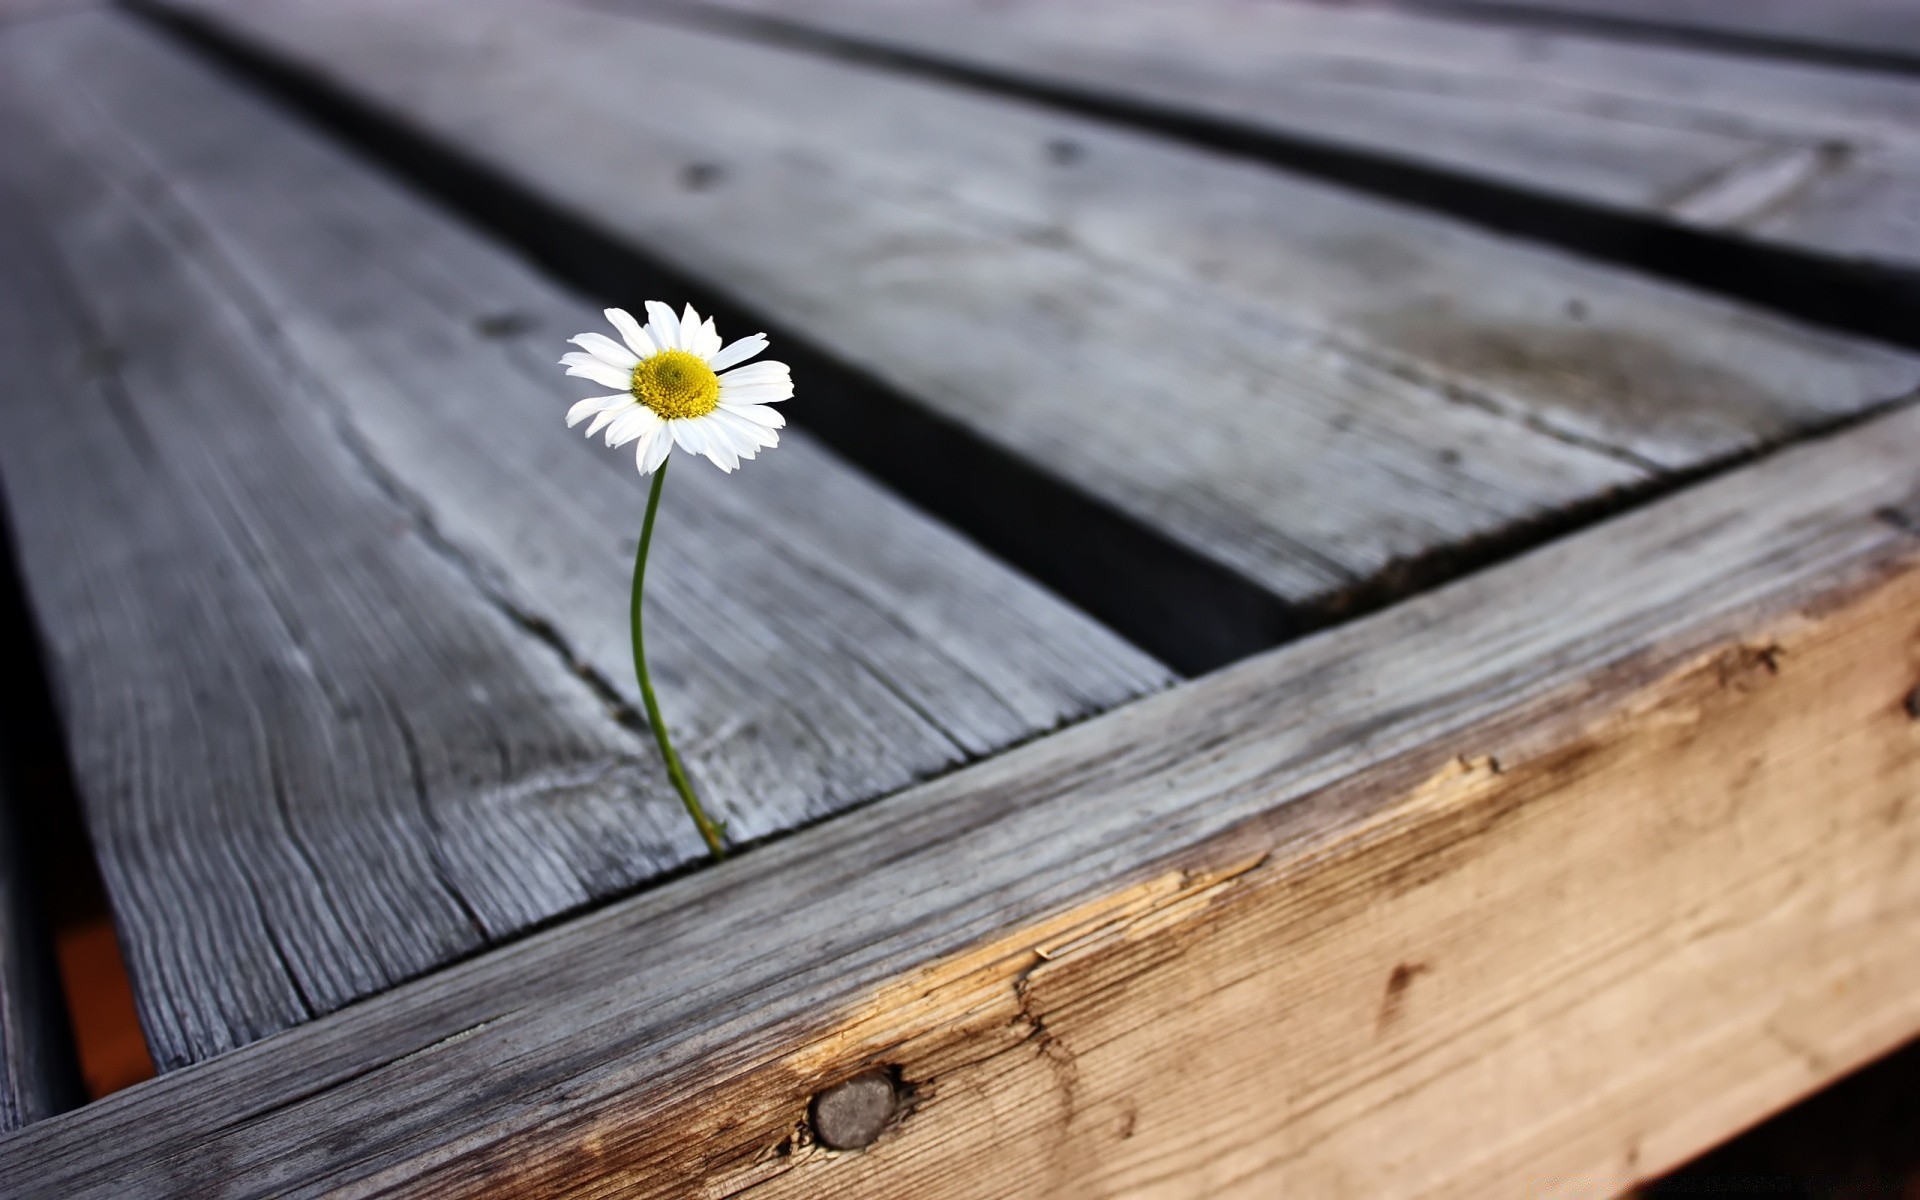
38, 1073
1340, 785
336, 604
1777, 151
1874, 31
1300, 384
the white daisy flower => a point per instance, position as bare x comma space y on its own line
679, 385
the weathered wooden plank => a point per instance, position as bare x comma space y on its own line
1799, 155
1610, 849
1885, 32
1302, 385
336, 604
38, 1073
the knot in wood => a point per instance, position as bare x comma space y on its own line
851, 1114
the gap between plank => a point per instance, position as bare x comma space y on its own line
1855, 297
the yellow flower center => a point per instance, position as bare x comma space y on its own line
676, 385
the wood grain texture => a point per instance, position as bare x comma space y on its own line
337, 606
38, 1074
1876, 30
1808, 156
1535, 884
1304, 386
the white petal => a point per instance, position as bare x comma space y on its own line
654, 448
593, 404
708, 341
755, 393
663, 326
759, 414
760, 372
701, 438
606, 350
747, 436
609, 415
631, 332
738, 352
637, 421
586, 366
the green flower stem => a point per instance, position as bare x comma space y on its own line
716, 840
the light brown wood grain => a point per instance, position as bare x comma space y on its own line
1535, 884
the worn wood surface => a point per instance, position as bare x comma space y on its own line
1612, 848
1809, 156
336, 606
1880, 32
38, 1074
1308, 387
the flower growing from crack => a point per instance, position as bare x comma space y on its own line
681, 387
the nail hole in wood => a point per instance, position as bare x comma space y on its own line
503, 325
851, 1114
699, 176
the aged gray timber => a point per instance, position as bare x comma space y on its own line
38, 1074
1402, 797
1861, 31
1800, 155
336, 605
1302, 385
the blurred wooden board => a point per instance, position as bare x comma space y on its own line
336, 605
1318, 391
1804, 156
1535, 884
1883, 31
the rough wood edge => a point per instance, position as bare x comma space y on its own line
1613, 873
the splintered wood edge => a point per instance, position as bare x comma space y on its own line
1575, 868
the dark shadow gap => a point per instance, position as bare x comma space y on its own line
1850, 296
48, 870
1680, 33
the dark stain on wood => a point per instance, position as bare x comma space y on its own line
1395, 999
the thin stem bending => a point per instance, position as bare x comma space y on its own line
712, 832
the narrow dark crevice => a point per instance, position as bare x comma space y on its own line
48, 868
1851, 296
1187, 610
1677, 31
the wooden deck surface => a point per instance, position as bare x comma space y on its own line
1610, 850
1808, 155
1198, 342
1540, 803
338, 604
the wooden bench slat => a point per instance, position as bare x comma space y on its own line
1301, 384
1610, 847
336, 604
1806, 156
